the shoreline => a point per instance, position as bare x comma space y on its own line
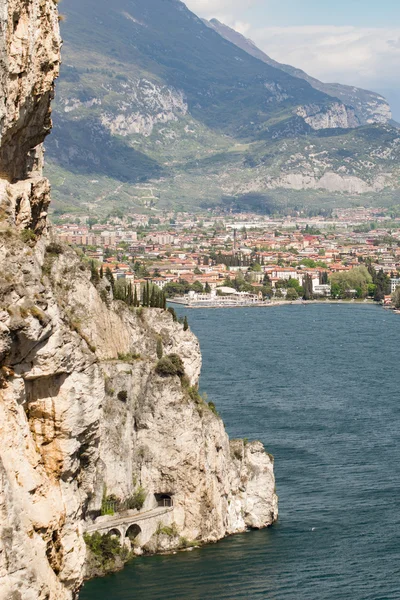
277, 304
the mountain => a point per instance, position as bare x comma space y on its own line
154, 108
369, 106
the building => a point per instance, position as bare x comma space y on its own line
230, 298
394, 283
321, 289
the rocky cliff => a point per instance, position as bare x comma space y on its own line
83, 412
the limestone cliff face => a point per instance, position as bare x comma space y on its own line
328, 117
83, 411
29, 62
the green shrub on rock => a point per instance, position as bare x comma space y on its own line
104, 547
178, 363
137, 500
165, 367
54, 248
170, 366
27, 236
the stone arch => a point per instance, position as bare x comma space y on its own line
133, 532
115, 532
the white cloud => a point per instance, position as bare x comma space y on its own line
352, 55
212, 8
226, 11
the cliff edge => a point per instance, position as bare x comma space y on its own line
91, 432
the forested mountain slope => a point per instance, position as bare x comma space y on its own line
154, 107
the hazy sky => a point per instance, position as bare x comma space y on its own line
356, 42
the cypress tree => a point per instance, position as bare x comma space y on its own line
185, 324
144, 301
157, 299
110, 278
173, 313
153, 298
94, 274
135, 298
160, 350
308, 287
130, 295
101, 272
147, 293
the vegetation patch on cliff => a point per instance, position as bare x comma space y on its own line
104, 554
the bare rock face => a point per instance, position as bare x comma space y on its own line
83, 411
335, 115
143, 105
29, 63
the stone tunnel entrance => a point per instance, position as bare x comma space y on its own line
164, 500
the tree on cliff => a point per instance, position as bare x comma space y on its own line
94, 274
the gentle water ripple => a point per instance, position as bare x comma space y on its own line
318, 385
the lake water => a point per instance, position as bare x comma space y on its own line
319, 386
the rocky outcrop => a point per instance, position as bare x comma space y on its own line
144, 105
139, 105
335, 115
331, 182
83, 411
85, 414
166, 439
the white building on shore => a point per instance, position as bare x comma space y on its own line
226, 297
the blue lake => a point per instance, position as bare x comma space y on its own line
319, 386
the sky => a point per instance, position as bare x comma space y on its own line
356, 42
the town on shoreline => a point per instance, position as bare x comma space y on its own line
219, 259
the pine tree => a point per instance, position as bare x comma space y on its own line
207, 288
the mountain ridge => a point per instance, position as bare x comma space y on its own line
150, 97
370, 107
